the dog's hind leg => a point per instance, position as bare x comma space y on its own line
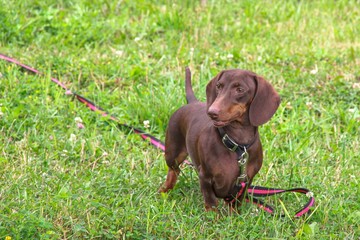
175, 154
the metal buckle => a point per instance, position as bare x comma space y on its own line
227, 138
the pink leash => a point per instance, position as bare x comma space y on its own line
257, 191
154, 141
254, 191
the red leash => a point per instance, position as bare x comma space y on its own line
253, 191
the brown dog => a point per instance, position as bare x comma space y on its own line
221, 133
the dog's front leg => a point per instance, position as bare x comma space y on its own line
210, 198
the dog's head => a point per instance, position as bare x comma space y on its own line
242, 96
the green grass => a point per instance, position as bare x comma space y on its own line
61, 182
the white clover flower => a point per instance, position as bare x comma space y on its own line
79, 123
78, 120
310, 194
146, 123
356, 85
288, 105
309, 104
64, 153
315, 70
72, 138
119, 52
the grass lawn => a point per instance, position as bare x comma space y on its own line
58, 181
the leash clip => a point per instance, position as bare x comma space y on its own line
243, 158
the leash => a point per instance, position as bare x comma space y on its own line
145, 136
252, 191
257, 191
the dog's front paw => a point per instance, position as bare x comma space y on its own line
211, 208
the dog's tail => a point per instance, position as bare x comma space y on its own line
190, 96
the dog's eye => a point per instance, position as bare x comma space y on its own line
218, 86
240, 90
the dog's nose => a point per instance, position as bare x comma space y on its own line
213, 113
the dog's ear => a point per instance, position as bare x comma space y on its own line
265, 103
211, 90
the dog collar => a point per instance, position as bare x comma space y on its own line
230, 144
